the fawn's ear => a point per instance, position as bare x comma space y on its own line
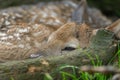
115, 27
84, 35
80, 15
90, 16
63, 33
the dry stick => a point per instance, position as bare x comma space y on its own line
100, 69
116, 77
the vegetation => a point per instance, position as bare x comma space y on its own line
75, 75
107, 6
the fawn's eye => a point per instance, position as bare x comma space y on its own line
68, 49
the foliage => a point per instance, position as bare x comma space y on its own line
107, 6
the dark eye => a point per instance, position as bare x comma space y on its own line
68, 49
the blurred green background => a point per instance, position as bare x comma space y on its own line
109, 7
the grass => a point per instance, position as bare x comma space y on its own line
118, 53
86, 75
77, 76
47, 77
96, 76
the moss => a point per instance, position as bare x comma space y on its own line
30, 76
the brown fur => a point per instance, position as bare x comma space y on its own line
84, 35
59, 39
20, 41
30, 39
115, 27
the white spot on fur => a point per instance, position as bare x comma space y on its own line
28, 46
6, 43
5, 14
28, 38
18, 15
36, 34
58, 21
21, 46
17, 35
23, 30
44, 15
7, 23
3, 38
11, 37
53, 14
2, 34
35, 26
